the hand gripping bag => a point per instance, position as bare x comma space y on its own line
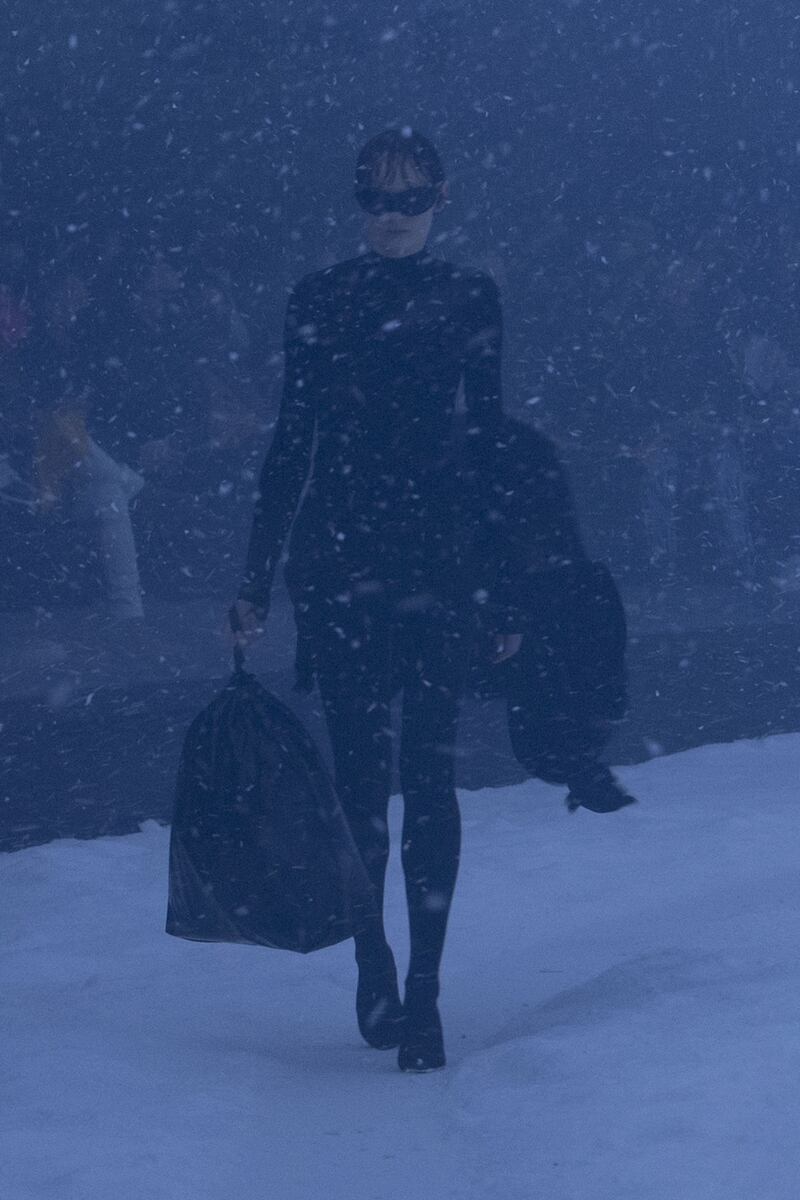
260, 849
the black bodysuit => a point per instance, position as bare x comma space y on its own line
375, 351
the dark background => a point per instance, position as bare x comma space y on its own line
627, 172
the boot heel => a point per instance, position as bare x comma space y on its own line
422, 1045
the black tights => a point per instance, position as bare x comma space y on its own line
365, 651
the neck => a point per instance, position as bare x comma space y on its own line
399, 259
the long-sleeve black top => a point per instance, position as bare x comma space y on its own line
375, 351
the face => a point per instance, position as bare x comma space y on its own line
393, 234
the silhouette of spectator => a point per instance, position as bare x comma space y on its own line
655, 415
52, 457
201, 476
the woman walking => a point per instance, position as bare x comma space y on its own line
377, 349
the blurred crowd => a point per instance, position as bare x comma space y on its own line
165, 175
138, 400
134, 419
668, 371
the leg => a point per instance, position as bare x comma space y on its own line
352, 659
352, 654
435, 654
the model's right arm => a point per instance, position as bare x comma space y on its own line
288, 460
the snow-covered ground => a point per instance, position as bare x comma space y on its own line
620, 1004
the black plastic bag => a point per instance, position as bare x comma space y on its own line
260, 850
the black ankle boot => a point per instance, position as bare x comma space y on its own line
422, 1045
378, 1007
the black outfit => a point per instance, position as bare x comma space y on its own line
379, 568
375, 349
